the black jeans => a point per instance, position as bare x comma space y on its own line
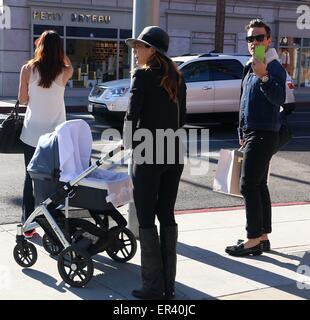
28, 197
155, 192
259, 148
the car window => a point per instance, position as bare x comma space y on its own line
196, 71
178, 62
228, 69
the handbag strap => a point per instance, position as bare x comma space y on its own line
15, 109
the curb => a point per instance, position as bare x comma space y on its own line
235, 208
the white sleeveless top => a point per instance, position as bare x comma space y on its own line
46, 108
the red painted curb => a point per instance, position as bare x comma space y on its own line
208, 210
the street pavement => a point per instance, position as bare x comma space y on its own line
79, 103
204, 270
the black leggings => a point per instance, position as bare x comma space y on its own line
155, 192
28, 198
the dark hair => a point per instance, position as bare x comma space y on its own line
48, 57
258, 23
171, 75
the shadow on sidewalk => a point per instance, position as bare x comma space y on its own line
44, 278
111, 281
126, 277
265, 277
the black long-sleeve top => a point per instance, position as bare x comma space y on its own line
150, 106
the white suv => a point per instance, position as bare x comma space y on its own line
213, 86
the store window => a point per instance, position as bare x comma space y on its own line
125, 54
290, 41
91, 32
38, 29
124, 60
97, 61
97, 54
306, 42
294, 55
289, 54
93, 61
289, 58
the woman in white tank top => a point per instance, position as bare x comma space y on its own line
41, 88
46, 108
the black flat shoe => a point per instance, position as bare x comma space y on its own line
265, 244
240, 251
169, 296
147, 295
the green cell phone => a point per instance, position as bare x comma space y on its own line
260, 53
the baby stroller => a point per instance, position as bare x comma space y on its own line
62, 179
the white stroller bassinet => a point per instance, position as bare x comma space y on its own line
62, 176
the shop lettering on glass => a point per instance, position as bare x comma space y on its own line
92, 18
303, 21
47, 15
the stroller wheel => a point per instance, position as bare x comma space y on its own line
25, 254
124, 247
75, 266
50, 246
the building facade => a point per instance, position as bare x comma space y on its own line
93, 33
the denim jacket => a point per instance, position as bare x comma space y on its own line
260, 102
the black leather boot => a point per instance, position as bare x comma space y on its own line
168, 242
151, 266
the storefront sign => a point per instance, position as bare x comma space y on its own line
47, 15
74, 17
78, 17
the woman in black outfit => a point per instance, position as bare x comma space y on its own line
157, 102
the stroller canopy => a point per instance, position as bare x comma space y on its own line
44, 164
66, 153
62, 154
75, 144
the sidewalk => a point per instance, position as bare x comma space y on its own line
205, 271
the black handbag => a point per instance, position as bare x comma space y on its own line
10, 130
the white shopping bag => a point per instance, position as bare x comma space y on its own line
227, 177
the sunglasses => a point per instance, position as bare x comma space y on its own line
259, 38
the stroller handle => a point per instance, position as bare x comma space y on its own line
119, 147
62, 193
